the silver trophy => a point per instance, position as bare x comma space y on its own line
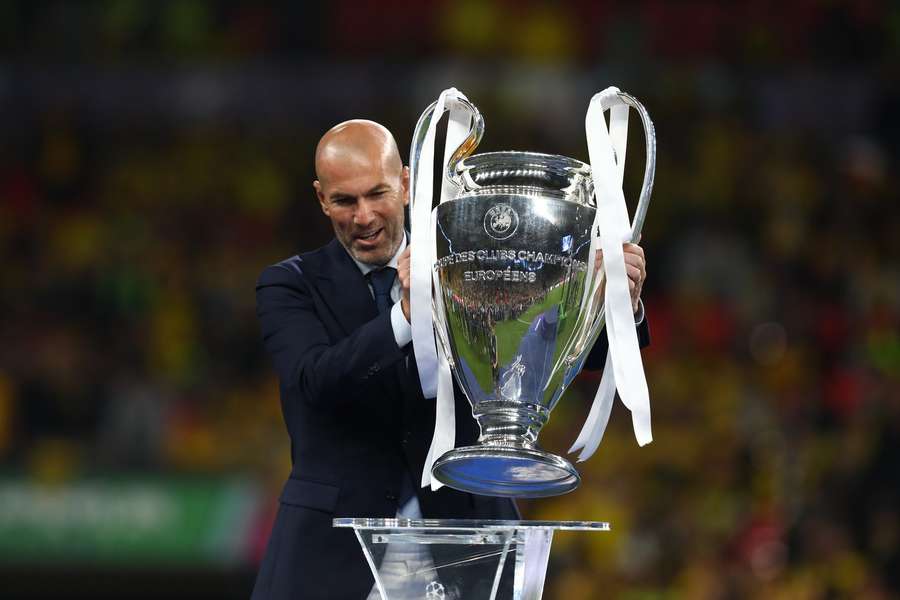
514, 314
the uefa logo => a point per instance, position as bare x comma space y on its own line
501, 221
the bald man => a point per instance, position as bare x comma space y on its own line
336, 323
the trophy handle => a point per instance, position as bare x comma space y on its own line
640, 213
649, 168
465, 149
468, 145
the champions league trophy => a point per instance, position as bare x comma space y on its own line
518, 302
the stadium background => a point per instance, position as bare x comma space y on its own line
155, 156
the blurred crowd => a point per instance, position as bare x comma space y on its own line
133, 229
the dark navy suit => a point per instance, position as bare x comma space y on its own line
358, 424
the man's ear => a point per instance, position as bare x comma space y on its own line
404, 182
322, 203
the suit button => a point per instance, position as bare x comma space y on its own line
374, 369
406, 436
389, 495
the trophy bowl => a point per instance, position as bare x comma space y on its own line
512, 264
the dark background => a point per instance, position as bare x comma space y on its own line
155, 156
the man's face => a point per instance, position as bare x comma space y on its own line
365, 200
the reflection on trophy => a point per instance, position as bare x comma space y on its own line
518, 305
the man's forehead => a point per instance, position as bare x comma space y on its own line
357, 169
356, 185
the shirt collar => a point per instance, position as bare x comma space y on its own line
365, 268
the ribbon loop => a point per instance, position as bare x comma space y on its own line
624, 370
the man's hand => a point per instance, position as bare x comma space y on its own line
635, 266
403, 275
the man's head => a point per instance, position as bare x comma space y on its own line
362, 187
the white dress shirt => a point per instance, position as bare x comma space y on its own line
401, 327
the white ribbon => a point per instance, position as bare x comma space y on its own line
444, 438
532, 558
595, 425
431, 360
623, 369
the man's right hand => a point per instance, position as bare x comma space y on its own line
403, 275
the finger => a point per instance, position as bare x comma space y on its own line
635, 255
637, 261
633, 249
634, 260
634, 273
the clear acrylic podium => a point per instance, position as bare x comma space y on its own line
456, 559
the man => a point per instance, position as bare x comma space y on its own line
336, 322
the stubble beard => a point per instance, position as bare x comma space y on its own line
377, 261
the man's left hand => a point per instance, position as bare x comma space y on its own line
636, 267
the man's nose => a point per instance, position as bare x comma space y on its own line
363, 215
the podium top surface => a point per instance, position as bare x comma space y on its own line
468, 524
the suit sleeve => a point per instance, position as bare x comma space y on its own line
304, 355
597, 358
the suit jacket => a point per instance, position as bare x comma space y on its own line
357, 421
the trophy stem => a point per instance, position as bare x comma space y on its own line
510, 423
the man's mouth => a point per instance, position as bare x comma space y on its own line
370, 237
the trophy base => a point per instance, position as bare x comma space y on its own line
507, 471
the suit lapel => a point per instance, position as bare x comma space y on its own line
344, 288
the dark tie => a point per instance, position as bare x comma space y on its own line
382, 281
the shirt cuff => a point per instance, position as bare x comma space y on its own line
401, 327
638, 316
